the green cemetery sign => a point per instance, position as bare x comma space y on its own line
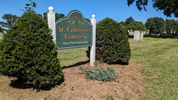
73, 31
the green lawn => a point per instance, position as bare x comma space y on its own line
160, 67
72, 56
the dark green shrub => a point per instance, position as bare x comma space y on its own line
112, 45
28, 53
107, 74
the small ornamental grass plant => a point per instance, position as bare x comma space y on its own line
106, 75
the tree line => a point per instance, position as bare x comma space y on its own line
154, 25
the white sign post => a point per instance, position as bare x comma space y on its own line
51, 22
93, 47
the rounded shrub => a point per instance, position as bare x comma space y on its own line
28, 53
112, 45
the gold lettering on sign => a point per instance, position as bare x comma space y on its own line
75, 42
76, 36
60, 29
70, 29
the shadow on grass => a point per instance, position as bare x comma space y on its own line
77, 64
119, 63
158, 36
171, 36
87, 61
130, 36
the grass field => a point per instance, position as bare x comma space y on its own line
160, 67
159, 58
72, 56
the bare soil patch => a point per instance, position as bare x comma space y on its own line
128, 86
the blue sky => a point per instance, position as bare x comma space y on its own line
115, 9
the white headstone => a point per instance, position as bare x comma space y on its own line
136, 35
141, 35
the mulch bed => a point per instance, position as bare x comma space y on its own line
128, 86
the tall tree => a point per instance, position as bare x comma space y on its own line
9, 20
171, 26
169, 7
136, 25
129, 20
155, 25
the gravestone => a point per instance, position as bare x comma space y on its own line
141, 35
136, 35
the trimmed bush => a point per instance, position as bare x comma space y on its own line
107, 74
28, 53
112, 45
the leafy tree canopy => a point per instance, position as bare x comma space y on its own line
169, 7
136, 25
155, 25
129, 20
171, 26
9, 20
